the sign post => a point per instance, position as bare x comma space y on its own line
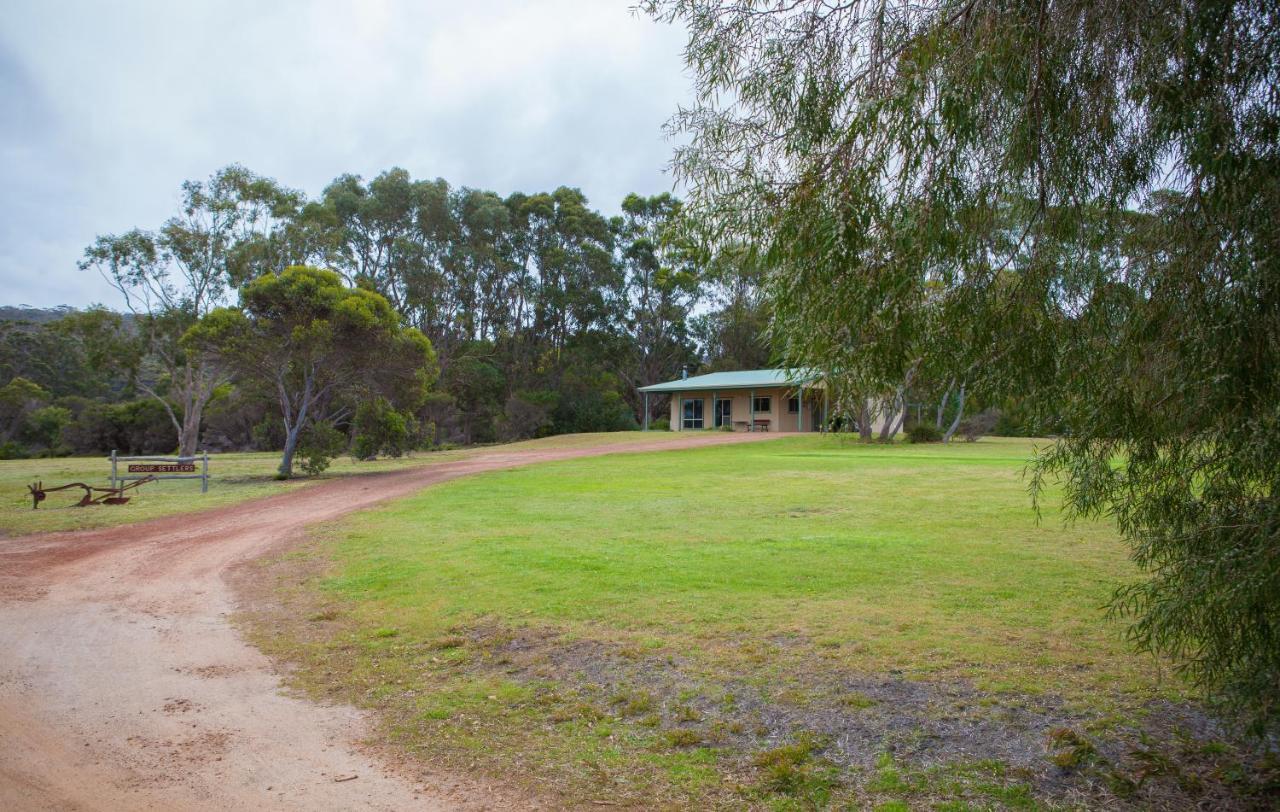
160, 468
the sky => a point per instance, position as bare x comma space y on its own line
109, 107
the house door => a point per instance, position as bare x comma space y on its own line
723, 413
692, 414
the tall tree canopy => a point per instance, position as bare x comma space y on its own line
661, 286
320, 347
173, 277
1072, 201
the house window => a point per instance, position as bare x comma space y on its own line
793, 405
763, 405
692, 417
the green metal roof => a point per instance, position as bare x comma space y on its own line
742, 379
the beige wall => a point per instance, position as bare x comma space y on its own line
778, 417
740, 410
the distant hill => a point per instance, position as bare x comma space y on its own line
36, 315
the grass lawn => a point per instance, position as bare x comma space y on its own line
235, 478
798, 623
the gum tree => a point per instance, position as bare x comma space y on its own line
173, 277
1072, 203
321, 347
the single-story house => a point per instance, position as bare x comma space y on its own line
746, 400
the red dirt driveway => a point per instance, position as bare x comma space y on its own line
124, 686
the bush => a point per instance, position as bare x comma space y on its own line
268, 433
43, 429
526, 415
980, 425
320, 443
923, 433
661, 424
132, 427
380, 429
232, 418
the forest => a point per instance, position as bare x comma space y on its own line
542, 314
525, 316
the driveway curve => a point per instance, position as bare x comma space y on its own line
123, 685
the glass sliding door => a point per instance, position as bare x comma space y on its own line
692, 413
723, 413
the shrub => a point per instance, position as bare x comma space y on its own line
132, 427
661, 424
980, 425
923, 433
526, 415
268, 433
380, 429
320, 443
43, 428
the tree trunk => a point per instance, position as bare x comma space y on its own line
890, 418
942, 404
893, 420
897, 426
955, 423
189, 437
864, 421
290, 448
293, 423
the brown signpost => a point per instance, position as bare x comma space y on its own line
153, 468
181, 468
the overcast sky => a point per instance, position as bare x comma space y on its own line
108, 107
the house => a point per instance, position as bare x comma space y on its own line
747, 400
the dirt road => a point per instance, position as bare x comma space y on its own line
123, 685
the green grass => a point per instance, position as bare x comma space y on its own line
236, 477
924, 558
623, 626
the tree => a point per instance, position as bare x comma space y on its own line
88, 353
19, 398
173, 277
662, 286
733, 333
1074, 204
322, 347
395, 233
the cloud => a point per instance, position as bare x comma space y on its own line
110, 106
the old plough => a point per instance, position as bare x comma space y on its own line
106, 496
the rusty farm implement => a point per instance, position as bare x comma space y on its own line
92, 495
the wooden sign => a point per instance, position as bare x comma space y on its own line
161, 468
178, 468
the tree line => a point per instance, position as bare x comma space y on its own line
523, 315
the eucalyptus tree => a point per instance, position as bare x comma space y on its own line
482, 270
172, 277
660, 267
85, 353
395, 234
567, 277
733, 329
1080, 200
320, 347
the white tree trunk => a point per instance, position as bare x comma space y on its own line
955, 423
942, 404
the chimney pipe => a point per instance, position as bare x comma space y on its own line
684, 372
